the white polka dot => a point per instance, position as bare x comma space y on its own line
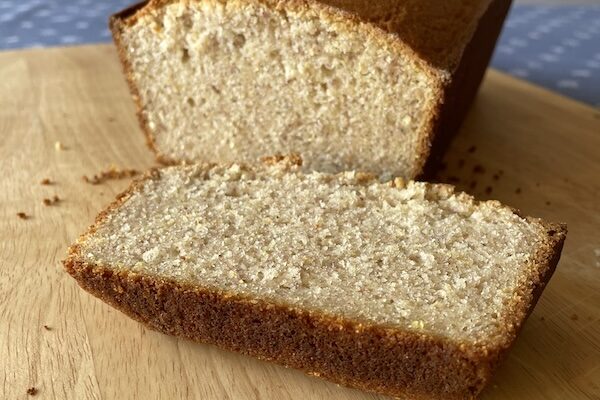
506, 49
549, 57
61, 19
73, 9
36, 45
544, 29
533, 35
597, 56
534, 64
558, 49
581, 73
26, 24
82, 25
518, 42
48, 32
570, 42
6, 17
11, 39
567, 84
593, 64
69, 39
520, 72
105, 33
582, 35
42, 13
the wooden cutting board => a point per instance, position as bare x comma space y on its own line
520, 144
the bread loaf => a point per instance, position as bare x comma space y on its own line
374, 86
407, 290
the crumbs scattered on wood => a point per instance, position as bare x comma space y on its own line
478, 169
111, 173
472, 149
32, 391
574, 317
50, 202
46, 327
58, 146
518, 190
488, 190
46, 181
22, 215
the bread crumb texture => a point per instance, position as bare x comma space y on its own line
260, 79
417, 256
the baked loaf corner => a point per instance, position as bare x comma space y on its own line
350, 85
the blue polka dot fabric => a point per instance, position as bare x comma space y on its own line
557, 47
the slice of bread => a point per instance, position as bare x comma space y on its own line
407, 290
350, 85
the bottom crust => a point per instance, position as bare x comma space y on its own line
373, 358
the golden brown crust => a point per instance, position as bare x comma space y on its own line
460, 92
359, 354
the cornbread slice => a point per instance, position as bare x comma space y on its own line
407, 290
350, 85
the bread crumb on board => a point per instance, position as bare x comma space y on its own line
32, 391
22, 215
52, 201
46, 327
111, 173
58, 146
46, 181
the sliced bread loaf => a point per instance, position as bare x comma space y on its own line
350, 85
407, 290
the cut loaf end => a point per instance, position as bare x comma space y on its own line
347, 86
406, 290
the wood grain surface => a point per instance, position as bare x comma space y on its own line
522, 145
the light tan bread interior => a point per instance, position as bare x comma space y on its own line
419, 257
236, 80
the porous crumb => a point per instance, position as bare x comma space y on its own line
461, 163
518, 190
473, 184
22, 215
316, 240
453, 179
488, 190
46, 181
111, 173
496, 176
32, 391
472, 149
